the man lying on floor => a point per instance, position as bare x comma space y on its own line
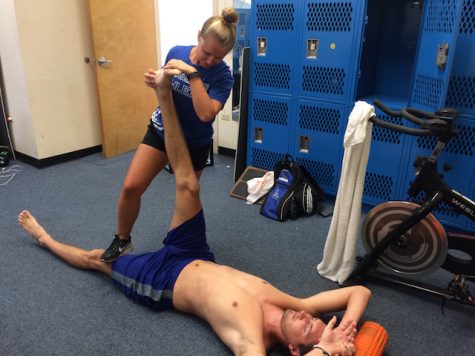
247, 313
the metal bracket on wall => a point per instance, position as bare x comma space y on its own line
5, 120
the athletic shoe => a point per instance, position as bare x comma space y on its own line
117, 247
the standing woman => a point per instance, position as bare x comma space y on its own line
199, 93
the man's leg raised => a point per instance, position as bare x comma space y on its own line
187, 200
75, 256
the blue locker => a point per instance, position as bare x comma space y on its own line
316, 58
317, 142
437, 67
459, 153
274, 32
387, 163
461, 92
435, 55
388, 51
385, 71
242, 36
327, 53
269, 130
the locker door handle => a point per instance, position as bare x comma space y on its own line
442, 54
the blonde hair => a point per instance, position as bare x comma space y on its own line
222, 28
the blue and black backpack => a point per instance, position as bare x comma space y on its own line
294, 193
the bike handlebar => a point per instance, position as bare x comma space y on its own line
407, 114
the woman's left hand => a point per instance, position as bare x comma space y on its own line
180, 65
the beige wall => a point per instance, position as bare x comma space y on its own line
226, 130
51, 91
14, 77
172, 33
59, 110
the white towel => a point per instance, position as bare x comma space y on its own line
340, 247
258, 187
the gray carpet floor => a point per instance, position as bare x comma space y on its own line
49, 308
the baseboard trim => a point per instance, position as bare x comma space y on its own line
226, 151
46, 162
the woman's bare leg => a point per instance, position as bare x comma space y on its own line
75, 256
145, 166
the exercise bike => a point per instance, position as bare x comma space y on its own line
405, 237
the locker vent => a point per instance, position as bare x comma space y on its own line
323, 173
461, 92
462, 145
271, 111
319, 119
440, 16
378, 186
275, 17
272, 75
386, 135
427, 91
467, 23
265, 159
441, 210
329, 17
323, 80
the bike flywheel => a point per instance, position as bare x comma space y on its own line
419, 251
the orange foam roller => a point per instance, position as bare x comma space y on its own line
371, 339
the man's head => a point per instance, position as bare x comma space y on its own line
300, 330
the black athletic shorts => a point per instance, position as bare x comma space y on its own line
199, 154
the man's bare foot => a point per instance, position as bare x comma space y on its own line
31, 226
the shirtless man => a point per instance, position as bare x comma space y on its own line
247, 313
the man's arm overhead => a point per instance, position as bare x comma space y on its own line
351, 299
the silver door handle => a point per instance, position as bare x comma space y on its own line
102, 61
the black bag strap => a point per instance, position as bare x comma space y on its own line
286, 163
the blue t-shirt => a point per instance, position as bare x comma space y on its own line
218, 83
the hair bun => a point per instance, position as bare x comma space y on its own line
230, 15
